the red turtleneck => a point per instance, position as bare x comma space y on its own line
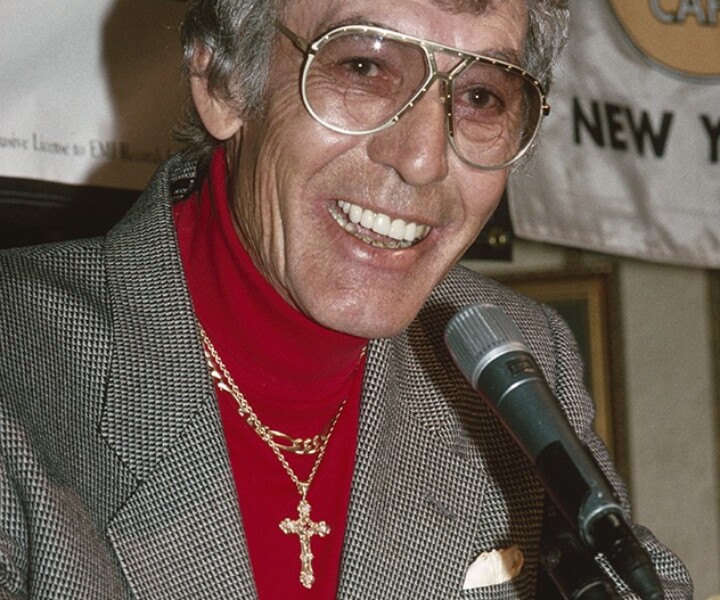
293, 372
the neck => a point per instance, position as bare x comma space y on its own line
271, 348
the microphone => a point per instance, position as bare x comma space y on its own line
492, 354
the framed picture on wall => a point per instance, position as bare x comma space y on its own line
586, 301
715, 304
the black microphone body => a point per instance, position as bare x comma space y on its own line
492, 354
513, 385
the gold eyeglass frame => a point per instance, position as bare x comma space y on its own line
311, 48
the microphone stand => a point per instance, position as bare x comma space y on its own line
569, 564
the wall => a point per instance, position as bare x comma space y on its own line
670, 401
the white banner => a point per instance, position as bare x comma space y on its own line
90, 89
629, 158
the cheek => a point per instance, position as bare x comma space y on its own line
482, 197
280, 161
254, 161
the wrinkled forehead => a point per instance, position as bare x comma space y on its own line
478, 26
473, 7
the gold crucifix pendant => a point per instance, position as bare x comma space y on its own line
304, 527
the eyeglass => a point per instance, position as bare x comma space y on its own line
359, 79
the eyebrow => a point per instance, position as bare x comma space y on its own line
352, 20
509, 55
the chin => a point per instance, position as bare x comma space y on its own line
368, 324
367, 311
374, 331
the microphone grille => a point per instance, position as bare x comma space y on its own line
478, 334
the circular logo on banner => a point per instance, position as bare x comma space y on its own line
681, 35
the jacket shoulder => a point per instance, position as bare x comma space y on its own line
50, 281
463, 287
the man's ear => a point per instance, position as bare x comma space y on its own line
219, 116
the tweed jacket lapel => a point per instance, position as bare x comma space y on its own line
416, 489
437, 480
179, 533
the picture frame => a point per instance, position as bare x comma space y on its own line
714, 292
587, 301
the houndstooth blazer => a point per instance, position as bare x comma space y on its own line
114, 476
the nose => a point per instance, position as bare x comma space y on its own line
416, 147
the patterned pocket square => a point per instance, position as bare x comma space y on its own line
493, 567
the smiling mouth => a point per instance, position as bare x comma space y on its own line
377, 229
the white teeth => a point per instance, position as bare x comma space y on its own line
401, 232
397, 230
381, 224
355, 213
410, 231
368, 219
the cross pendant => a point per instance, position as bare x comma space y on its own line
304, 527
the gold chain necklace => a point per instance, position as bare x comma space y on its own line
304, 527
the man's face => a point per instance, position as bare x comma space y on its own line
292, 177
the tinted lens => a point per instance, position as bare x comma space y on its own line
358, 82
495, 114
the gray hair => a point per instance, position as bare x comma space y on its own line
239, 34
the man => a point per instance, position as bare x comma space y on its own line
242, 390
